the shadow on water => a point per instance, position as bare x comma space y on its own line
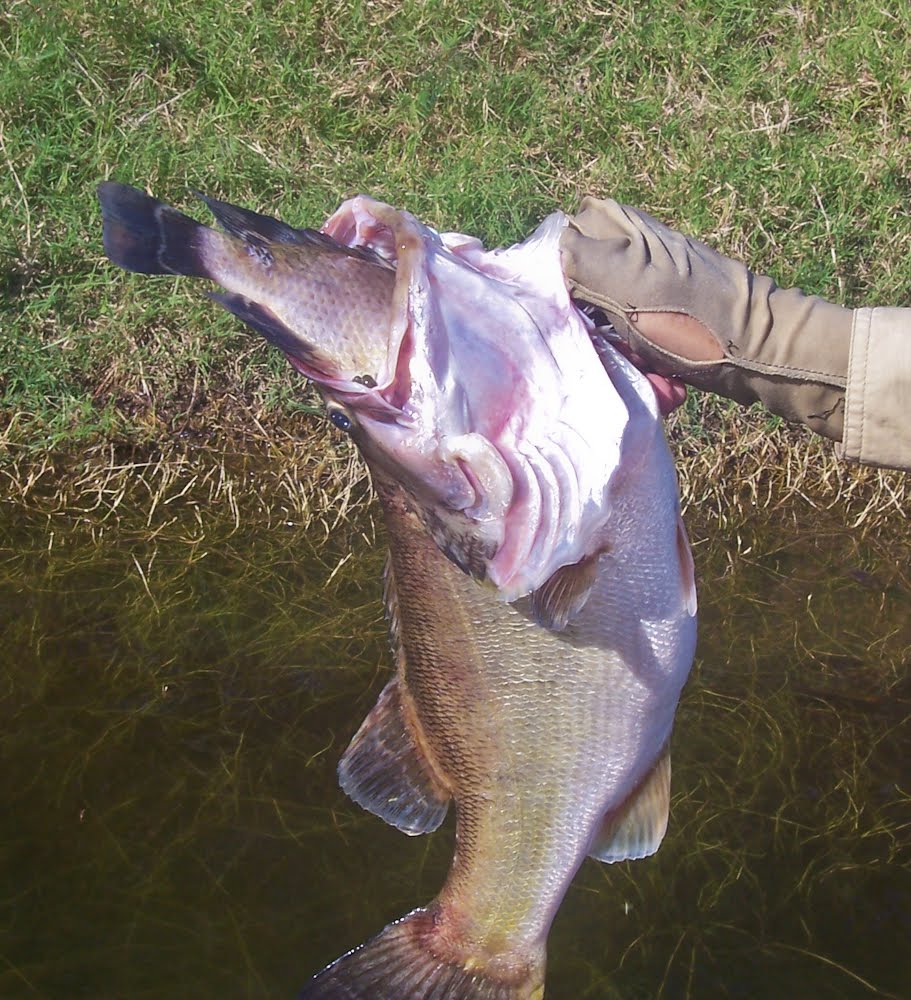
176, 693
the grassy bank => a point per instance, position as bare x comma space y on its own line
779, 134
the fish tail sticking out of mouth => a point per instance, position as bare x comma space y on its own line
325, 304
407, 961
145, 235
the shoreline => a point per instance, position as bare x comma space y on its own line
732, 464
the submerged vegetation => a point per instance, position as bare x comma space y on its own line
190, 644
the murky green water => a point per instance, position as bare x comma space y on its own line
172, 709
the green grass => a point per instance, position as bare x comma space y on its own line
776, 132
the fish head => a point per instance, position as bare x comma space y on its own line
485, 401
465, 376
414, 411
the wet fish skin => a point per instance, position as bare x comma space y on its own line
542, 701
294, 286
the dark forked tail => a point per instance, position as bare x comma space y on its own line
406, 961
146, 235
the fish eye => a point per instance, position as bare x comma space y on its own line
341, 420
366, 380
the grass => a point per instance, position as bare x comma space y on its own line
156, 459
778, 133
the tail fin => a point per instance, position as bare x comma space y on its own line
403, 963
146, 235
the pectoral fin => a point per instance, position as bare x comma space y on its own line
687, 569
637, 828
556, 602
385, 770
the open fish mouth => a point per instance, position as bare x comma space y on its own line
473, 411
399, 239
465, 375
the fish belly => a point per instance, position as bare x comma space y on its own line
538, 733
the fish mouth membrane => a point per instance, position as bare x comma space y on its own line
364, 223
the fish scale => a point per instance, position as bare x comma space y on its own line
539, 590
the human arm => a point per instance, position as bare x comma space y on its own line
685, 310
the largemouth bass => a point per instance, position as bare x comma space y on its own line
539, 588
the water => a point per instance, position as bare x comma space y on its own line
177, 690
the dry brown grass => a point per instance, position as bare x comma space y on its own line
732, 465
312, 479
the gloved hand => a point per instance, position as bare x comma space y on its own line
686, 310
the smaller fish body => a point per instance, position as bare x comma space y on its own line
276, 278
539, 588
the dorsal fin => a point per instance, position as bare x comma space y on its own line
563, 595
391, 607
251, 226
257, 229
637, 827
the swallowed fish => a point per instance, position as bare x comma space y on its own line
539, 587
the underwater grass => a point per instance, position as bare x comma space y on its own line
788, 848
167, 699
187, 654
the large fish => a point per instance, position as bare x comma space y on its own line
539, 588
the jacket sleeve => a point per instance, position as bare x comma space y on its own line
845, 374
877, 425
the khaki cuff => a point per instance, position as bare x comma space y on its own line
877, 428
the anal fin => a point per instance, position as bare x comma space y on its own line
386, 771
637, 827
270, 326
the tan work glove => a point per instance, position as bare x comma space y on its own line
729, 331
